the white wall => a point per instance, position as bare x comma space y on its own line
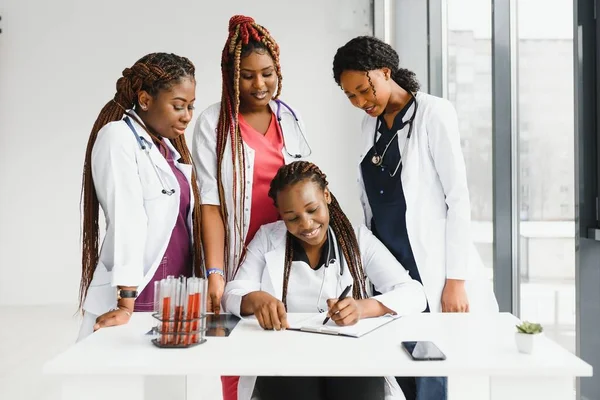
59, 61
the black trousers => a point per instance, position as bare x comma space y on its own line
317, 388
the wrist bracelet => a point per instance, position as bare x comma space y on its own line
217, 271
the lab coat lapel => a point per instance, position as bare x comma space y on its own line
275, 261
411, 176
410, 165
157, 158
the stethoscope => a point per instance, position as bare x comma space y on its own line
278, 115
328, 262
377, 159
145, 146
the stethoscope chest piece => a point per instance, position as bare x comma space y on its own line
377, 160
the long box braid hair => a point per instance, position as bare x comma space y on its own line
245, 36
344, 232
152, 73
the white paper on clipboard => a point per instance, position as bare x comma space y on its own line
314, 324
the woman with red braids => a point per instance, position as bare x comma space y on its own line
239, 144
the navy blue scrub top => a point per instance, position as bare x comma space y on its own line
386, 195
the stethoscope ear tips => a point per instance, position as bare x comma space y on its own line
168, 192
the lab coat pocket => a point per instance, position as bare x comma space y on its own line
101, 295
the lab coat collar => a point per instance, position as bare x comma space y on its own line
282, 109
404, 115
141, 130
273, 105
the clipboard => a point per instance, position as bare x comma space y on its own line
314, 324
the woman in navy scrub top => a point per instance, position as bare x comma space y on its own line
413, 184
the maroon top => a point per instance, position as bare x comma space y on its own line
178, 256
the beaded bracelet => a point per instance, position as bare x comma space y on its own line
217, 271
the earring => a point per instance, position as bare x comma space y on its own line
144, 107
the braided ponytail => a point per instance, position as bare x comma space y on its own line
245, 37
152, 73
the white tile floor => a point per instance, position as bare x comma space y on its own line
31, 335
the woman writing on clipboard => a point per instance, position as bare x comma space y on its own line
302, 264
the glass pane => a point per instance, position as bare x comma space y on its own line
469, 78
547, 181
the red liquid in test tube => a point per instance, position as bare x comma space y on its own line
189, 314
165, 317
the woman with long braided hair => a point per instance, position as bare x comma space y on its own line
239, 143
138, 169
301, 265
414, 184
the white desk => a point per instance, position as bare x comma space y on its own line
482, 358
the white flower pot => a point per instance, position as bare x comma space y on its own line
526, 342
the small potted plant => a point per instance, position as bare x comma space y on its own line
526, 336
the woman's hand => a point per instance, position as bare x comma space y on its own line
119, 316
346, 311
269, 311
454, 296
216, 286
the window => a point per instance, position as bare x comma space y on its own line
546, 112
469, 86
545, 131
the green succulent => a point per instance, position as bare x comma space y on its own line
530, 328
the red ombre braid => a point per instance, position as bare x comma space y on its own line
245, 36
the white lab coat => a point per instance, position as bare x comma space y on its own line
438, 215
139, 218
204, 147
263, 270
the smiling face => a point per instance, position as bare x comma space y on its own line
371, 95
303, 206
258, 80
169, 112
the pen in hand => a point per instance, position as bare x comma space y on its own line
343, 295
